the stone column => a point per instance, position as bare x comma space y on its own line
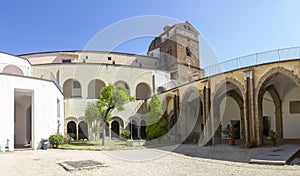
77, 129
139, 132
120, 129
278, 115
206, 111
109, 130
175, 108
249, 106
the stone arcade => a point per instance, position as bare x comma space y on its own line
255, 94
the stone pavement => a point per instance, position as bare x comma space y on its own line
141, 162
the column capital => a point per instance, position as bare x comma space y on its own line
206, 83
248, 73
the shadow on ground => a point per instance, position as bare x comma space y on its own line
236, 153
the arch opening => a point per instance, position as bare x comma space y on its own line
82, 130
72, 129
94, 88
228, 108
276, 94
72, 88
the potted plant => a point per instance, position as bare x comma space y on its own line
229, 133
273, 138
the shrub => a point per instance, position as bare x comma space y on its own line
157, 129
72, 135
56, 139
125, 134
273, 135
67, 138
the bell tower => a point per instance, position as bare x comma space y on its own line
177, 49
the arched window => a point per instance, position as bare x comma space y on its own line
12, 69
72, 88
94, 88
124, 84
76, 85
142, 91
188, 51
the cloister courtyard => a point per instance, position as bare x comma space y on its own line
186, 159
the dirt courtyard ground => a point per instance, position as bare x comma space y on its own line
184, 160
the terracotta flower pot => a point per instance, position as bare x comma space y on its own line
231, 141
273, 143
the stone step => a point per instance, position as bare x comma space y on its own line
279, 156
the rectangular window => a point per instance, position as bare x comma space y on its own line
108, 58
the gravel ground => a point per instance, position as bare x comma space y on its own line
144, 162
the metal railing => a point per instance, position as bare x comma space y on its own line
252, 60
28, 72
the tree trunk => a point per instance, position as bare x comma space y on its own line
103, 132
103, 124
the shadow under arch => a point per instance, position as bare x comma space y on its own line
228, 87
190, 117
269, 83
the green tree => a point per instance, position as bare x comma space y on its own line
156, 124
92, 117
111, 97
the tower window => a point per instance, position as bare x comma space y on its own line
188, 51
66, 61
108, 58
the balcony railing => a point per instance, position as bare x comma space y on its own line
252, 60
28, 72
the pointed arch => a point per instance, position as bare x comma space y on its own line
229, 87
265, 85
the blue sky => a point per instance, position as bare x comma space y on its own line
233, 28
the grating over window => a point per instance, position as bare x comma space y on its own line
76, 84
